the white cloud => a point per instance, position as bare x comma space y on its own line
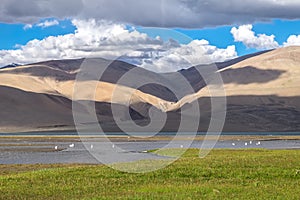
48, 23
185, 56
44, 24
163, 13
27, 26
247, 36
293, 40
111, 40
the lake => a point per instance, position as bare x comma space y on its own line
62, 147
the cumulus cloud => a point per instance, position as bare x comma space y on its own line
247, 36
293, 40
109, 40
184, 56
90, 35
48, 23
165, 13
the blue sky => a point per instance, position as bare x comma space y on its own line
15, 34
221, 36
12, 35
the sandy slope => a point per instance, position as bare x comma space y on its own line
46, 79
276, 72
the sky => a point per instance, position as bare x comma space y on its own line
159, 35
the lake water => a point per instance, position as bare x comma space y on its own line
28, 150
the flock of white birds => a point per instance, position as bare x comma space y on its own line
250, 143
258, 143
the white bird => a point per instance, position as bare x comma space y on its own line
113, 146
92, 146
258, 143
181, 146
233, 144
246, 144
56, 147
72, 145
250, 142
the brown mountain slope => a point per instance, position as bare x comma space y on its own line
51, 76
262, 93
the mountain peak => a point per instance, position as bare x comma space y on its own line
12, 65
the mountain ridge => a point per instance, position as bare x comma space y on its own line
266, 81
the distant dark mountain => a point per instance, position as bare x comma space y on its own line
10, 66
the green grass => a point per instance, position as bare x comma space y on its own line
223, 174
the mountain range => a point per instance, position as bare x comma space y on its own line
262, 94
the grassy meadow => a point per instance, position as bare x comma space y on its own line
223, 174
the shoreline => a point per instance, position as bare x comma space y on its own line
49, 138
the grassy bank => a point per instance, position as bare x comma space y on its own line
224, 174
